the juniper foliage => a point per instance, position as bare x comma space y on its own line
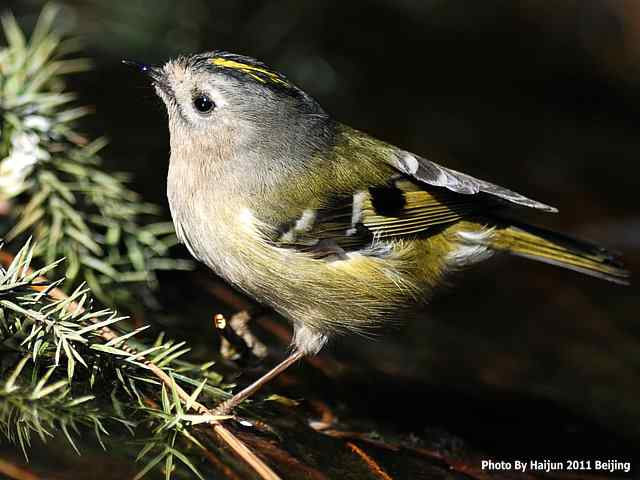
60, 374
53, 185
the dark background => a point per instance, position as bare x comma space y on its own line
541, 96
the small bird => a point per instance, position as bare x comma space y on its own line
336, 230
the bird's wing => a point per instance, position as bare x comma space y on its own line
415, 197
431, 173
402, 208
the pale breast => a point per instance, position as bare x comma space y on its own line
357, 293
213, 234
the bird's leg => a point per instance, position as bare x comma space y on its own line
228, 405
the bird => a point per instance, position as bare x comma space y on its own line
337, 231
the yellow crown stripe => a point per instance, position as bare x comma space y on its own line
251, 70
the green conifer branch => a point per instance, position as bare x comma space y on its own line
52, 181
61, 372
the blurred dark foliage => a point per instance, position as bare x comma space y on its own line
540, 96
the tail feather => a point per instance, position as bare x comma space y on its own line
556, 249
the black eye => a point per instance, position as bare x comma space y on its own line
203, 104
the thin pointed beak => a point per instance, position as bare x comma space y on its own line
154, 72
157, 75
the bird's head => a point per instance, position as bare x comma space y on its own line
219, 99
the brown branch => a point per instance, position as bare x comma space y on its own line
217, 463
370, 462
466, 468
327, 417
261, 468
238, 341
455, 465
15, 472
329, 366
363, 437
271, 450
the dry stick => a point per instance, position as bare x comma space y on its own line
228, 473
327, 365
217, 463
14, 471
370, 462
229, 438
270, 449
456, 465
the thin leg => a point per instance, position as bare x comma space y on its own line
225, 407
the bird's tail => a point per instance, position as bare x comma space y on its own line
557, 249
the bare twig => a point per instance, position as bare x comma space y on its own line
217, 463
11, 470
327, 365
261, 468
470, 468
327, 417
237, 338
270, 449
370, 462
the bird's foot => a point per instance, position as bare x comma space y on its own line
227, 406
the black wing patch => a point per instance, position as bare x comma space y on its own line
415, 209
403, 208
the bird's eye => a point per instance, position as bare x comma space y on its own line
203, 104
